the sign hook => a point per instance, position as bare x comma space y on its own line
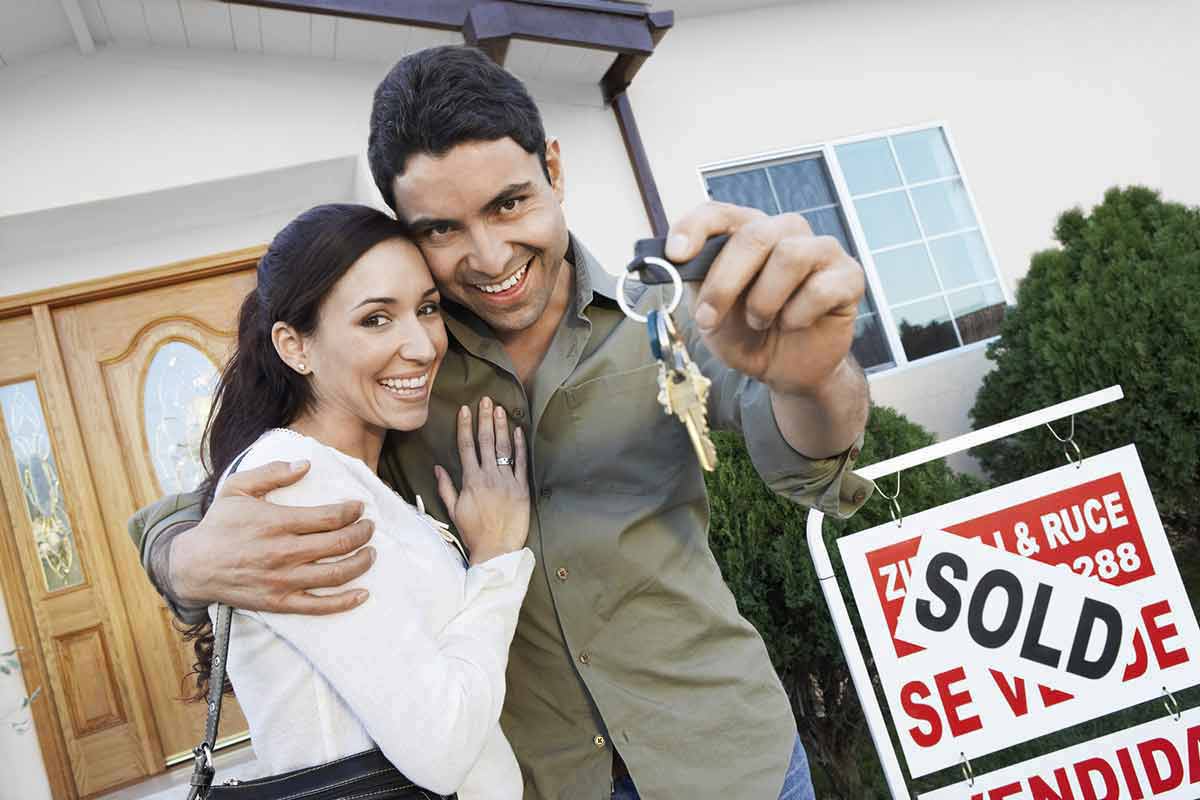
1069, 440
967, 771
894, 511
1171, 705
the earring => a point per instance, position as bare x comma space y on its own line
302, 368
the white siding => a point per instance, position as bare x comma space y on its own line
1049, 104
174, 133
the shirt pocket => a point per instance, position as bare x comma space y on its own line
624, 441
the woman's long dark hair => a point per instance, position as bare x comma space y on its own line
257, 391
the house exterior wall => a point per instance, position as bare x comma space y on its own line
1048, 104
20, 754
138, 157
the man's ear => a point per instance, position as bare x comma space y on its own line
291, 347
554, 166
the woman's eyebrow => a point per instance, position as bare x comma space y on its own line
430, 290
369, 300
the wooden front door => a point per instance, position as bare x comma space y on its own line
60, 587
142, 368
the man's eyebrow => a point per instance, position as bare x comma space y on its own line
369, 300
421, 225
507, 193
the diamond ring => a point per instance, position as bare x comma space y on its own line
504, 461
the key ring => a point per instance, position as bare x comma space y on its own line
676, 281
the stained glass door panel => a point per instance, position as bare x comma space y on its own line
91, 715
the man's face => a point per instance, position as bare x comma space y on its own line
490, 226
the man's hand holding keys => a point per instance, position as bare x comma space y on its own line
779, 303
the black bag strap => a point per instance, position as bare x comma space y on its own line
203, 770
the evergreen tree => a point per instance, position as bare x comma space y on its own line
1117, 302
759, 539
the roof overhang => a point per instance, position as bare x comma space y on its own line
629, 31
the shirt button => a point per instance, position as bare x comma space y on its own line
562, 573
599, 742
518, 412
584, 658
860, 495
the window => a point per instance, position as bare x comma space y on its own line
898, 203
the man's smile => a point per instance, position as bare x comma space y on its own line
508, 287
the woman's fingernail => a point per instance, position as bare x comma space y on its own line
464, 412
500, 412
361, 597
705, 316
298, 466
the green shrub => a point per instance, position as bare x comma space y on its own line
1117, 302
759, 539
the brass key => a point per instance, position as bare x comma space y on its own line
683, 390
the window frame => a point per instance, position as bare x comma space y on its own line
827, 150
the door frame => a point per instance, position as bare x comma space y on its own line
26, 637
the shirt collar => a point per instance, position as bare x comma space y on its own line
593, 284
592, 281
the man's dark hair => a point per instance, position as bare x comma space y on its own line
438, 98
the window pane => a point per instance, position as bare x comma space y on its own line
868, 166
887, 220
924, 155
962, 260
748, 188
176, 400
925, 328
828, 222
906, 274
978, 311
870, 346
802, 185
943, 207
40, 486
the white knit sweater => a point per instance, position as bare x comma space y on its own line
417, 670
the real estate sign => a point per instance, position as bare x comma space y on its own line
1035, 606
1159, 760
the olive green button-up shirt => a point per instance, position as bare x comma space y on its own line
628, 637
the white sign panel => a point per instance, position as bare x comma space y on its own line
1021, 616
1097, 520
1157, 760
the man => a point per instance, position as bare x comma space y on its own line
632, 672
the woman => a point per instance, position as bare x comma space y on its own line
340, 343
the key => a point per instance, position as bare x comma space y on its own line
688, 393
683, 388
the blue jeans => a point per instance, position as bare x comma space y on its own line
797, 784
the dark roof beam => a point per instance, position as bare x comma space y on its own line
444, 14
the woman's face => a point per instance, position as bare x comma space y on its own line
379, 340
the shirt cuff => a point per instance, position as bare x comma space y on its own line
826, 484
507, 568
158, 568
